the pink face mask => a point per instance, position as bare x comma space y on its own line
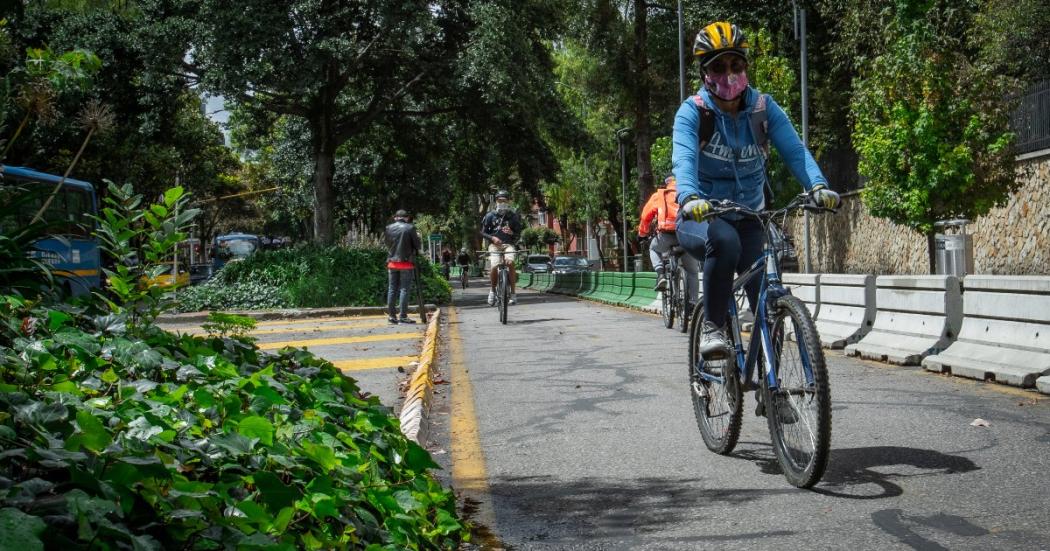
727, 86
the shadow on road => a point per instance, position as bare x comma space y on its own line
854, 472
559, 512
851, 469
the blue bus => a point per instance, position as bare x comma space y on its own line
232, 247
72, 251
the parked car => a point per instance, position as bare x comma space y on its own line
537, 263
570, 265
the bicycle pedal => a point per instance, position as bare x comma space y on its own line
700, 390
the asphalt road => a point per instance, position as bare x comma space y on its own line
572, 428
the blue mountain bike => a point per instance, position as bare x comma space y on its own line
783, 349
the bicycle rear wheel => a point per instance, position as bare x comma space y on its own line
680, 300
667, 306
798, 411
503, 294
718, 403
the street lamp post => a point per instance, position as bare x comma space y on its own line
681, 53
621, 136
800, 33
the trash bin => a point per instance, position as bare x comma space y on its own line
953, 248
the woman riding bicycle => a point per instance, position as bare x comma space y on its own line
721, 140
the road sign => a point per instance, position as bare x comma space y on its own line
435, 237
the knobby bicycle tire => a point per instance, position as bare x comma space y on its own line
719, 429
503, 294
784, 413
681, 301
667, 305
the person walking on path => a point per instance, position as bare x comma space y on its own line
658, 222
403, 245
720, 145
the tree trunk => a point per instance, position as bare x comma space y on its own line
324, 169
563, 225
642, 115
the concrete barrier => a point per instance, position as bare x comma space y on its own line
807, 288
1005, 334
589, 284
644, 297
623, 288
916, 316
847, 308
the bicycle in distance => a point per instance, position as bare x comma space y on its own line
464, 276
673, 299
784, 352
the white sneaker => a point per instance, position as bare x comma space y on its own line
513, 299
492, 298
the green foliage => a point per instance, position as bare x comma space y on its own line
217, 295
308, 277
537, 238
140, 239
932, 129
65, 71
164, 441
222, 324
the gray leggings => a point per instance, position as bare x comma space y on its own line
661, 244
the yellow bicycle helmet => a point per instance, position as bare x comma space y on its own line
717, 39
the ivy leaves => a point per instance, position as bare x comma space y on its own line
176, 441
932, 130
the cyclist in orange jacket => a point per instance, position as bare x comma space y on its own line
658, 222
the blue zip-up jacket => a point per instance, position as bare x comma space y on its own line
733, 165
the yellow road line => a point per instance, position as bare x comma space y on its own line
317, 320
469, 475
362, 364
321, 328
197, 330
339, 340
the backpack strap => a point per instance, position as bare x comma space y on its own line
707, 122
760, 124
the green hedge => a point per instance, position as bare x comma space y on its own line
307, 277
110, 440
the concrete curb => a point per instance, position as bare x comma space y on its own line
290, 313
415, 411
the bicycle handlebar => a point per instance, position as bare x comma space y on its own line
801, 201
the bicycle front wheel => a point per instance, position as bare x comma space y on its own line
798, 411
714, 386
503, 294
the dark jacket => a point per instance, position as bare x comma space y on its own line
494, 222
402, 242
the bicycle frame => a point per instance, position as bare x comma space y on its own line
767, 266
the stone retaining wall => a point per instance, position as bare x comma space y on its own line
1012, 239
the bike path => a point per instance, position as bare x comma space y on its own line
585, 439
